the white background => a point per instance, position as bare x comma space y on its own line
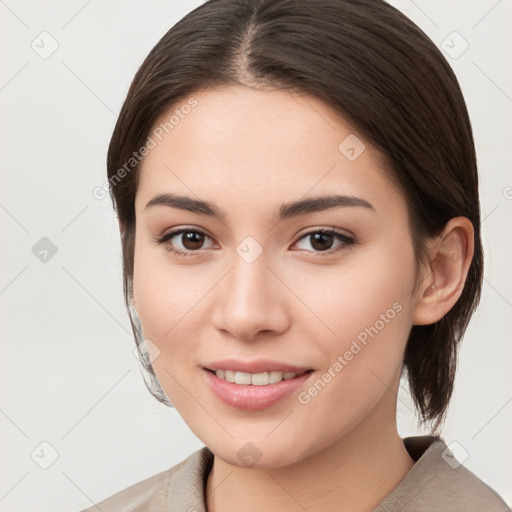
68, 373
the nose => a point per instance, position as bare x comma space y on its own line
251, 301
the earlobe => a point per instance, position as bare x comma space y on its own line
450, 256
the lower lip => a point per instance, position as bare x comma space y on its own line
250, 397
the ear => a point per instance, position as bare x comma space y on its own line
443, 279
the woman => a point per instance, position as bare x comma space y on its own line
297, 195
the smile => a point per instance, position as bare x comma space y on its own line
254, 391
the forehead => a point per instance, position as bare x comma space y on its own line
249, 148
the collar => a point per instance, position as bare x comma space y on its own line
187, 486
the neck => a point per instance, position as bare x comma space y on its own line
354, 474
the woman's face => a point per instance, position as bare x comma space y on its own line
297, 258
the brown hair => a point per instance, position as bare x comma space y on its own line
370, 63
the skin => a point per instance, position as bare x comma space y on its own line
247, 151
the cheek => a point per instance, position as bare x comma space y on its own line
165, 297
371, 284
367, 307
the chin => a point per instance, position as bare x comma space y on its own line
259, 453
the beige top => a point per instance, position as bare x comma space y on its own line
436, 483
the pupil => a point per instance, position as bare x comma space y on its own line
321, 241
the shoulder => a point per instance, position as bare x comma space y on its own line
438, 481
154, 493
456, 485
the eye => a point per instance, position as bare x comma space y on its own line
188, 241
184, 241
323, 240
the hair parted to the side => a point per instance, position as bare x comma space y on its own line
371, 64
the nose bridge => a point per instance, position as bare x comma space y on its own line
249, 301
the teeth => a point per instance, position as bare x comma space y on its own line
275, 377
242, 378
254, 379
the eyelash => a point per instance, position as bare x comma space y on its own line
346, 241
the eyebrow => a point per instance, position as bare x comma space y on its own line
286, 210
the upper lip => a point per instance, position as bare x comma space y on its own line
255, 366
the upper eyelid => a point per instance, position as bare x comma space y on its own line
336, 231
175, 232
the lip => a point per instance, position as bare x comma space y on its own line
256, 366
253, 398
